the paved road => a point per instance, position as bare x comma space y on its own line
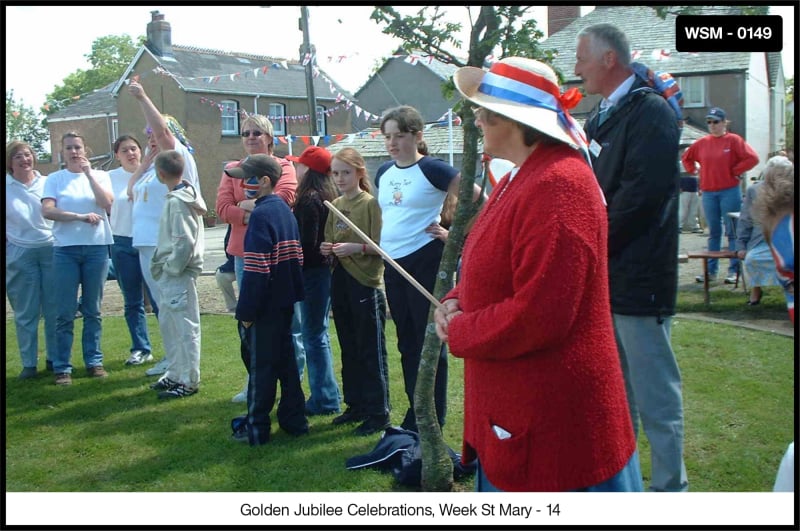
214, 253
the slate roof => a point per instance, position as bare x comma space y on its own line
441, 70
436, 138
647, 33
773, 67
241, 73
97, 103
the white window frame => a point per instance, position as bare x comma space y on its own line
229, 118
114, 130
322, 129
277, 115
694, 91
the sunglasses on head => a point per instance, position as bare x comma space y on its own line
256, 133
712, 121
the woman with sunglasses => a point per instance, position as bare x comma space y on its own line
236, 198
723, 158
148, 194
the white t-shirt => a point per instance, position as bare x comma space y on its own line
25, 225
410, 202
73, 193
149, 196
122, 208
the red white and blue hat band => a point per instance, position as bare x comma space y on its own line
516, 85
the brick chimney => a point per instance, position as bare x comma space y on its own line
560, 16
159, 35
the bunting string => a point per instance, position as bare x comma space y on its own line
657, 55
321, 140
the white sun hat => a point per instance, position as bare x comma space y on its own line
527, 91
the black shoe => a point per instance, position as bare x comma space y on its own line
311, 412
296, 432
349, 415
163, 384
179, 391
410, 421
373, 424
240, 436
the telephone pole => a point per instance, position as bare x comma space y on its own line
308, 48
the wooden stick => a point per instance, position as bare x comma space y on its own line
385, 256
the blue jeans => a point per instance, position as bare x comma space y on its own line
297, 330
315, 309
85, 266
653, 388
131, 282
629, 479
29, 287
716, 206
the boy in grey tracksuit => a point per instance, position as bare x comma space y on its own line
177, 261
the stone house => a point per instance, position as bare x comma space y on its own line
209, 92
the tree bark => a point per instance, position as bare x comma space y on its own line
437, 467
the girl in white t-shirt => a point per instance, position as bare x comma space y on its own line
78, 199
124, 255
411, 190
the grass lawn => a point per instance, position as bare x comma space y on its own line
114, 435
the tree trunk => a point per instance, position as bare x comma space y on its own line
437, 467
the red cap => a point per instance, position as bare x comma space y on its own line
315, 157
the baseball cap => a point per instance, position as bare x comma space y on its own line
315, 157
256, 166
716, 113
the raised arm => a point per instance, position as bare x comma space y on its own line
155, 120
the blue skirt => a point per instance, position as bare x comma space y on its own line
759, 267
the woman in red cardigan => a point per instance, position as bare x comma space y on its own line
544, 398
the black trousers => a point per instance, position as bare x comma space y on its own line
409, 310
360, 316
268, 354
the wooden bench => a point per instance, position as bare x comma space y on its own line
705, 256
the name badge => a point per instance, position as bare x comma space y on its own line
595, 148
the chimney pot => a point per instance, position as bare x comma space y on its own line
159, 35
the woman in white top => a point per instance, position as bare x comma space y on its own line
149, 194
29, 257
124, 255
78, 199
411, 191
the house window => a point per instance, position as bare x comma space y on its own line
277, 115
114, 130
321, 121
694, 91
230, 117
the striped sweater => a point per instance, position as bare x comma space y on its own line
273, 260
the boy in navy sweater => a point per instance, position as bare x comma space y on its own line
271, 284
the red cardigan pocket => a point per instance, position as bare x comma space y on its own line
504, 456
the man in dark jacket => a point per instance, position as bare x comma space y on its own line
633, 139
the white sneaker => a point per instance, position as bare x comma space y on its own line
241, 396
138, 357
158, 368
